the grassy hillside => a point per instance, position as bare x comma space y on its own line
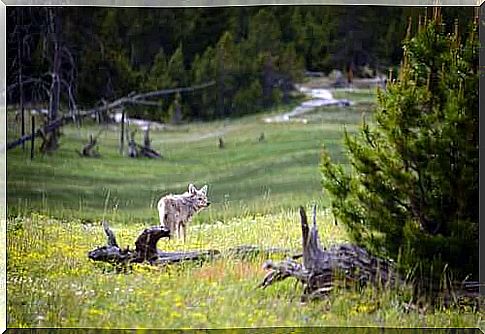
247, 176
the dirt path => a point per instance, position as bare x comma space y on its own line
319, 97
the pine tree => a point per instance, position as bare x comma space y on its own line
159, 77
412, 189
176, 68
203, 104
225, 61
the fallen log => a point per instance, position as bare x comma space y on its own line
136, 150
145, 249
342, 265
148, 152
251, 252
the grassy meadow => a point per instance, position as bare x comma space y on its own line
246, 177
55, 203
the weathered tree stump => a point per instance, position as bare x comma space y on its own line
145, 249
347, 265
136, 150
90, 149
50, 141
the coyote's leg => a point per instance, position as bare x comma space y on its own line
170, 227
161, 213
184, 231
177, 227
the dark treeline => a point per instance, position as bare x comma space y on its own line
254, 54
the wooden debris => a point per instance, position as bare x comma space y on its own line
90, 149
49, 141
136, 150
347, 265
145, 249
132, 98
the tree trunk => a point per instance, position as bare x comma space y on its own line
122, 134
54, 29
32, 140
19, 77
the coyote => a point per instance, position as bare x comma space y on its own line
175, 211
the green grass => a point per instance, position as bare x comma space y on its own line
363, 95
245, 177
255, 187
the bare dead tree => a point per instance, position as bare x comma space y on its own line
70, 83
53, 31
122, 134
130, 99
21, 37
32, 142
19, 76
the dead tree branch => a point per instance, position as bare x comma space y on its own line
131, 98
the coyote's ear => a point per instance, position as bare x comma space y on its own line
204, 189
192, 189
